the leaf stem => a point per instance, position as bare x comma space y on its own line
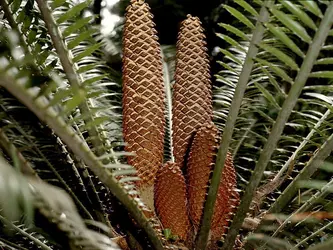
73, 77
278, 127
230, 123
314, 234
12, 151
313, 164
48, 115
13, 24
302, 145
25, 234
321, 194
327, 245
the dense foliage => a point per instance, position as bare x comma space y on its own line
65, 182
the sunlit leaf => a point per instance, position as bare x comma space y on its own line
293, 8
234, 30
276, 69
87, 52
76, 26
72, 12
281, 56
322, 74
247, 7
280, 34
292, 25
81, 37
312, 6
242, 18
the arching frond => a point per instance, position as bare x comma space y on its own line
59, 212
76, 94
272, 79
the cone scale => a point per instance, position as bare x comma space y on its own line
191, 104
170, 200
200, 165
143, 93
178, 202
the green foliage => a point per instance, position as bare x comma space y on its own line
72, 123
279, 66
60, 123
168, 234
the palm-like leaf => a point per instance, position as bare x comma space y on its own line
59, 213
277, 58
61, 122
80, 101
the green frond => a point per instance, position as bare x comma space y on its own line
81, 49
61, 122
48, 203
277, 71
95, 81
67, 21
75, 90
50, 158
40, 106
284, 46
304, 221
18, 236
236, 103
273, 243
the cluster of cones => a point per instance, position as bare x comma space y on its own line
176, 190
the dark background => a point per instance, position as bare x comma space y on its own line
168, 14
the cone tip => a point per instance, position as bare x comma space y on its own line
137, 1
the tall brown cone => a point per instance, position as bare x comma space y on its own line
191, 103
200, 166
143, 93
170, 200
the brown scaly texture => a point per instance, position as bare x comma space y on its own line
227, 200
170, 200
200, 165
191, 103
143, 93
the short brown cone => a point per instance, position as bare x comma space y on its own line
191, 103
143, 93
170, 200
199, 169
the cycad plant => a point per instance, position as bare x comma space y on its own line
240, 160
